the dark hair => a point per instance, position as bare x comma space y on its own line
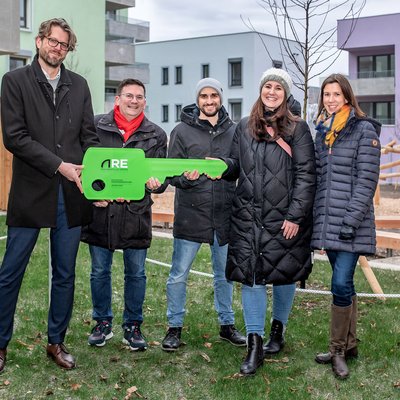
130, 81
45, 30
347, 91
282, 121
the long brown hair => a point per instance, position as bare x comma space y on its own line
347, 91
281, 120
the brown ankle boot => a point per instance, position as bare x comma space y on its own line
340, 323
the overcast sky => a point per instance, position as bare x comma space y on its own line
177, 19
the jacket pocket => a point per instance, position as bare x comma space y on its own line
136, 221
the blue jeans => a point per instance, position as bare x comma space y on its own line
134, 284
182, 258
254, 301
343, 266
21, 241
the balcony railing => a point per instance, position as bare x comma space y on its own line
126, 20
374, 74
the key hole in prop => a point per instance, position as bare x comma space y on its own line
98, 185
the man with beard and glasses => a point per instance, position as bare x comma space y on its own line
202, 210
47, 123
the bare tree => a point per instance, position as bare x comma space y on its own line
307, 35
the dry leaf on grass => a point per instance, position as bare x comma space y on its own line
75, 386
206, 357
130, 391
208, 345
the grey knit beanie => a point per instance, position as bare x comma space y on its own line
208, 82
277, 75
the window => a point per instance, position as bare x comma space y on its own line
383, 111
178, 75
164, 76
17, 62
381, 66
235, 110
110, 94
165, 112
24, 12
205, 71
235, 72
178, 110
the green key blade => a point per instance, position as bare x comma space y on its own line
112, 173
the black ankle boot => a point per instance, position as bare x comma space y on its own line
255, 355
276, 339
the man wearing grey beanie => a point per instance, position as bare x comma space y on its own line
202, 210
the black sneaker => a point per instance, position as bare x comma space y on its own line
232, 335
134, 338
100, 333
172, 339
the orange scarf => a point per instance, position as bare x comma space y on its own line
331, 125
127, 128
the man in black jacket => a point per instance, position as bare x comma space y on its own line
123, 224
202, 210
47, 122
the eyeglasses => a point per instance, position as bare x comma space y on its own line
54, 43
131, 96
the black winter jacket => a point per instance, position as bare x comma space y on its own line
128, 224
202, 206
41, 135
346, 181
272, 187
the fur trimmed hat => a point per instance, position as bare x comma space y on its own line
209, 82
277, 75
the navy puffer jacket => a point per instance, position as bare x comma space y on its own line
272, 187
347, 177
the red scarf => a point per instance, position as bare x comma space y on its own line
128, 128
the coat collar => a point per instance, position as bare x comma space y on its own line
65, 78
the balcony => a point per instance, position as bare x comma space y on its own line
115, 74
118, 27
118, 53
9, 27
112, 5
373, 86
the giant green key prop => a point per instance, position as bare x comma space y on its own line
112, 173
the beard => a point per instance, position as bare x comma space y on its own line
52, 60
208, 113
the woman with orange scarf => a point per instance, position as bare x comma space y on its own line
347, 160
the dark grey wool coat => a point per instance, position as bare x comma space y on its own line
272, 187
40, 135
346, 181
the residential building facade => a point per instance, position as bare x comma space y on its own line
374, 57
236, 60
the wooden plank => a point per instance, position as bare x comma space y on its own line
387, 222
388, 240
371, 278
164, 216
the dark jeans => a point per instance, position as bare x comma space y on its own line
64, 247
343, 266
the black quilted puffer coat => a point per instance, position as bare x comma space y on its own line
272, 187
346, 181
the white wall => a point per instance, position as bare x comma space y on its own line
212, 50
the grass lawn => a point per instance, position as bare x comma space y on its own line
206, 367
